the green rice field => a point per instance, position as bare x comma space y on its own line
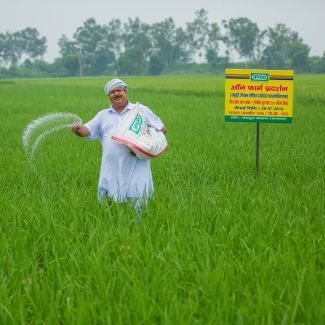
217, 244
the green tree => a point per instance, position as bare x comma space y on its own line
67, 47
89, 37
94, 52
163, 40
299, 52
244, 36
197, 32
276, 53
26, 42
212, 47
2, 48
285, 49
11, 51
137, 45
70, 63
114, 36
322, 65
131, 62
99, 63
156, 65
181, 48
202, 37
33, 45
136, 36
169, 46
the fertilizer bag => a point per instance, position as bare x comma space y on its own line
143, 140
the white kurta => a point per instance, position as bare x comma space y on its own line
122, 175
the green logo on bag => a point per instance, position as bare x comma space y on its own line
259, 77
136, 124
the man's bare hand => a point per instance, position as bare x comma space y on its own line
79, 129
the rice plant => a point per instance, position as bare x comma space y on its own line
216, 245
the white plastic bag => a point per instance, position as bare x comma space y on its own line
144, 141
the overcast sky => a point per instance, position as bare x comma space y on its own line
52, 18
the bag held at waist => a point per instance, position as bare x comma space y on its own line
145, 141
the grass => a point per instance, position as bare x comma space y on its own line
215, 246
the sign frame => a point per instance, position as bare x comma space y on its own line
257, 95
261, 96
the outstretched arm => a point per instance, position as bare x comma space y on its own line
79, 129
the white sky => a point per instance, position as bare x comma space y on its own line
52, 18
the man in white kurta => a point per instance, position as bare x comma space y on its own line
123, 176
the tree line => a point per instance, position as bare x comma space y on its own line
135, 48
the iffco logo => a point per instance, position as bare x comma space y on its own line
259, 77
136, 124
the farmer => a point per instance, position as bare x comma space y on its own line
123, 177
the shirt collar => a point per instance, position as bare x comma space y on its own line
127, 107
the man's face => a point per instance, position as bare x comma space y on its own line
118, 97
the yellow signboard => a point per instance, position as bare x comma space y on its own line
253, 95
